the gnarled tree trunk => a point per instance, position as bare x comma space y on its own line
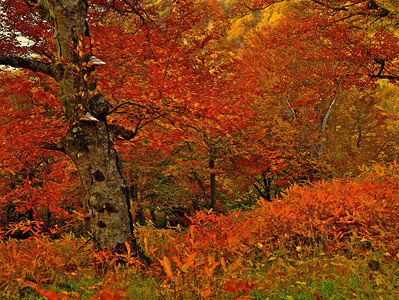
88, 142
105, 201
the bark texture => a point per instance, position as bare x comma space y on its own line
106, 203
88, 142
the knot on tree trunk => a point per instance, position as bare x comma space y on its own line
98, 176
101, 224
107, 208
98, 106
42, 6
101, 203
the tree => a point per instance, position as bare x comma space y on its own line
168, 70
367, 25
61, 48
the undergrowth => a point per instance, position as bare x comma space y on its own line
330, 240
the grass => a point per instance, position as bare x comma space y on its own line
335, 276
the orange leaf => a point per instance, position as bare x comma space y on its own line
223, 263
129, 250
206, 293
165, 262
236, 264
146, 244
208, 271
230, 287
105, 296
190, 259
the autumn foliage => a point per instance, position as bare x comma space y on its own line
216, 254
342, 215
252, 137
219, 102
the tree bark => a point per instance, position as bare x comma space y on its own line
322, 128
88, 143
105, 201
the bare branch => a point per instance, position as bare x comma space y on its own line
134, 9
118, 130
35, 66
379, 75
391, 77
123, 104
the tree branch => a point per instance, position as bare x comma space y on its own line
339, 8
53, 146
392, 77
379, 75
35, 66
123, 104
118, 130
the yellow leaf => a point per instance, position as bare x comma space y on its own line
211, 259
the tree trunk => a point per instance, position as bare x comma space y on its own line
105, 198
212, 178
88, 143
